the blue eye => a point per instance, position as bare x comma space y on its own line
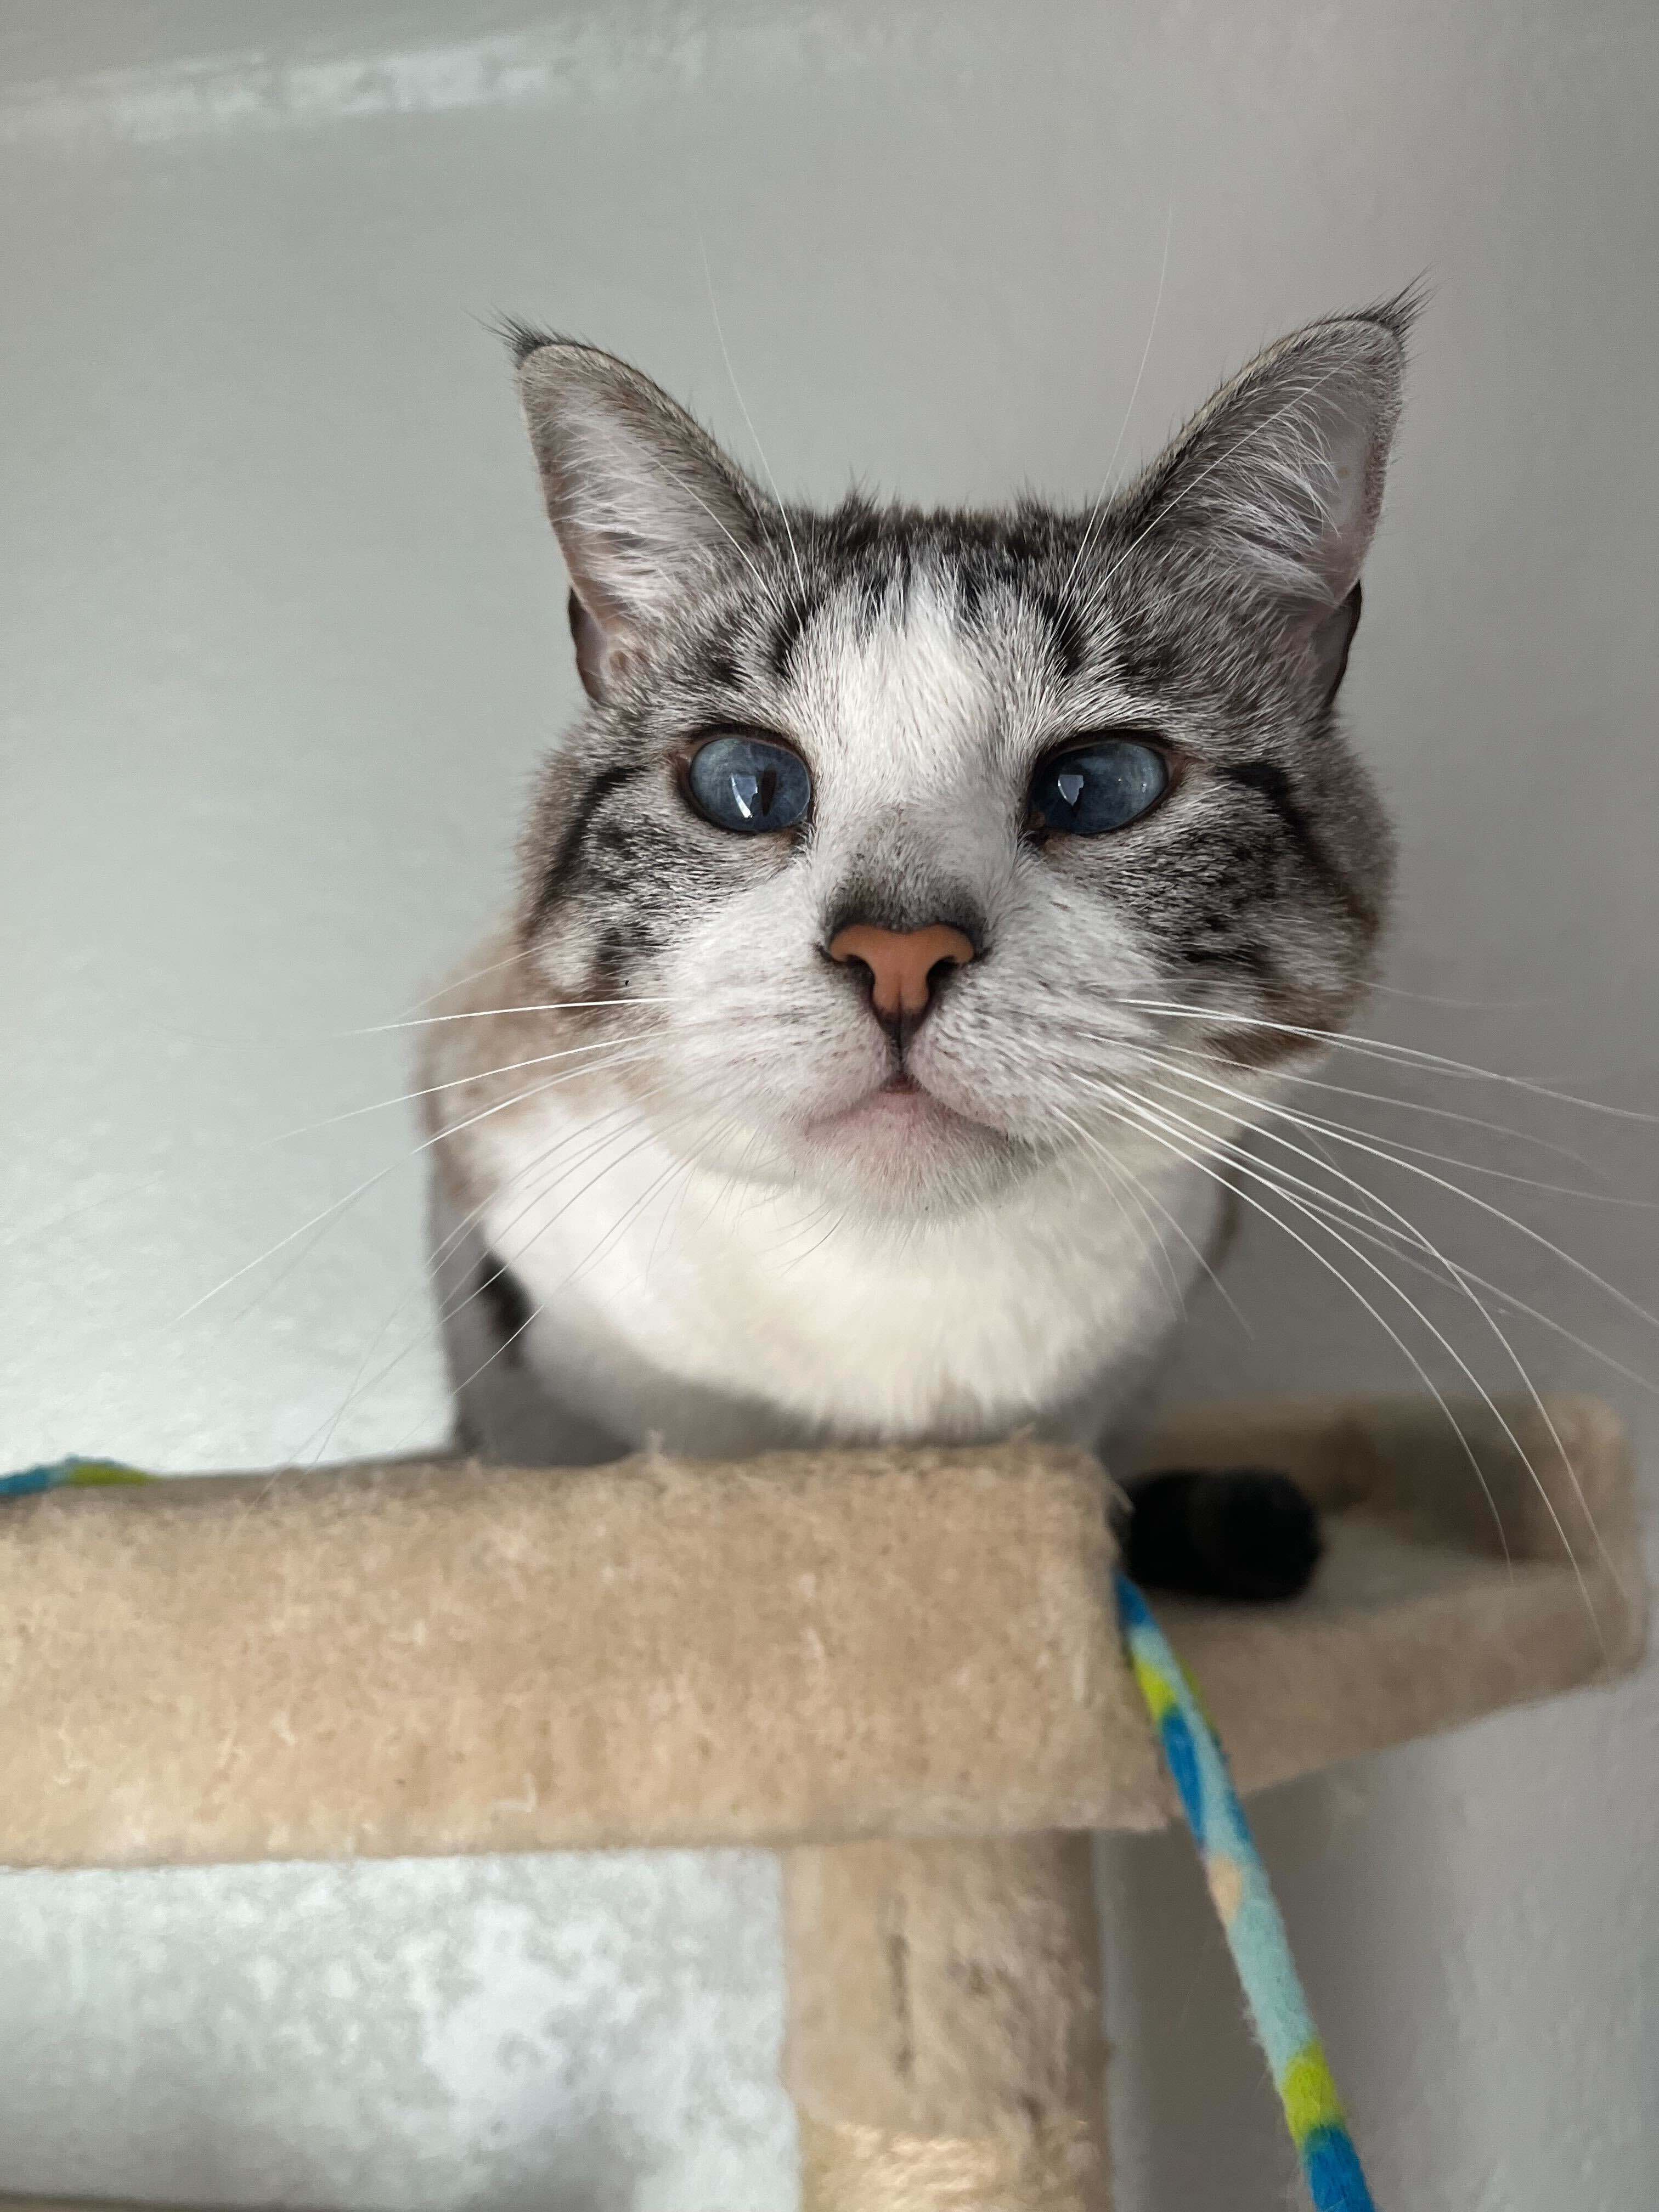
748, 785
1097, 788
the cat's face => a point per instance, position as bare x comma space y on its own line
902, 850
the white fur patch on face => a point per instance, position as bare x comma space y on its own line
897, 714
920, 746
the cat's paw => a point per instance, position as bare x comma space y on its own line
1241, 1533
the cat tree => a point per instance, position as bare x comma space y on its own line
900, 1668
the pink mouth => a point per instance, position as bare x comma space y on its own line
899, 1113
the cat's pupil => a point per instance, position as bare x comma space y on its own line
753, 794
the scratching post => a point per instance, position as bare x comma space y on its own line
944, 2047
901, 1668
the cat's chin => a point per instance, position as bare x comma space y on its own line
901, 1147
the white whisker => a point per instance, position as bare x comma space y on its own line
1156, 1124
1342, 1136
1339, 1040
731, 375
1109, 485
1277, 1182
472, 975
541, 1164
547, 1162
1335, 1132
1403, 1105
367, 1184
1114, 1168
495, 1013
539, 1306
460, 1082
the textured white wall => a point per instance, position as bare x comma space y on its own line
282, 635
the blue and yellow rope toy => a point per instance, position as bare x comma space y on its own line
1254, 1930
70, 1474
1232, 1867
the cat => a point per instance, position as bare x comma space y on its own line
921, 908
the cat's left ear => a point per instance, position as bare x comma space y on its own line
1276, 486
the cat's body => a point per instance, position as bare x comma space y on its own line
918, 913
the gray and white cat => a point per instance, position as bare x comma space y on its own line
920, 909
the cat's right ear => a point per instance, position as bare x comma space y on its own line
646, 505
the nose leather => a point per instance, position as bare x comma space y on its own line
901, 962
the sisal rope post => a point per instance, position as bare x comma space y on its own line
944, 2048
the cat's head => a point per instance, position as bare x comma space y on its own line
895, 851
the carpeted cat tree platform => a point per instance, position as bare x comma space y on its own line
900, 1668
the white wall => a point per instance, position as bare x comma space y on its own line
282, 635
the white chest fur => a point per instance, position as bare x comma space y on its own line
671, 1303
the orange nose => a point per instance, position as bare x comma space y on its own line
901, 963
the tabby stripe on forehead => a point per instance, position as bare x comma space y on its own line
1269, 782
786, 634
555, 882
1066, 630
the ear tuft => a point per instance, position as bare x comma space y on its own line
522, 339
1280, 478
